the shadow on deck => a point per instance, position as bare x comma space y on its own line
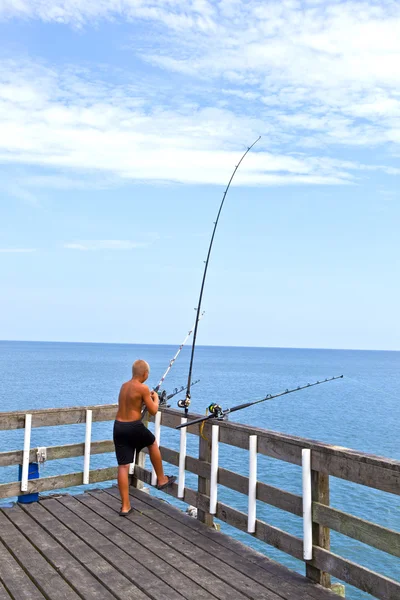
71, 547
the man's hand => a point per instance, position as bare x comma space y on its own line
154, 396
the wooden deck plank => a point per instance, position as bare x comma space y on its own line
282, 576
200, 551
80, 577
164, 550
169, 573
84, 568
45, 577
4, 595
103, 540
15, 580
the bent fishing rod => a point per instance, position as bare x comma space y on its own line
217, 413
185, 403
171, 362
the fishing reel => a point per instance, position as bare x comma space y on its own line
162, 397
184, 403
216, 410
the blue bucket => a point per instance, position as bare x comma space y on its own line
33, 473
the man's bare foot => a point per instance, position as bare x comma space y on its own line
169, 480
162, 480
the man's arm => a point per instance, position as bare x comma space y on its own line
150, 399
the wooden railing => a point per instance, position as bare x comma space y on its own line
326, 460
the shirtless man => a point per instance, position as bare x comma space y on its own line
130, 433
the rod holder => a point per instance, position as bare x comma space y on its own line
26, 453
182, 460
88, 443
214, 469
252, 508
307, 504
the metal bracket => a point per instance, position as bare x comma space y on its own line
41, 454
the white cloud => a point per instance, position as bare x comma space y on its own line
17, 250
105, 245
309, 77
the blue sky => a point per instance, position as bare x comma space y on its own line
120, 124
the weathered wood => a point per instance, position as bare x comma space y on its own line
204, 482
271, 535
4, 595
68, 564
42, 574
199, 549
14, 457
109, 564
166, 564
15, 579
358, 529
368, 581
323, 560
171, 418
51, 417
286, 579
8, 490
320, 534
366, 469
266, 493
279, 580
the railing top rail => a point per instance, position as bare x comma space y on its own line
239, 432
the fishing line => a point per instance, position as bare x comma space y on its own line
216, 411
186, 402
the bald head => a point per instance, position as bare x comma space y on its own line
140, 369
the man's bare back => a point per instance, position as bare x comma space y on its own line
130, 400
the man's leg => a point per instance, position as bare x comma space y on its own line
123, 486
156, 461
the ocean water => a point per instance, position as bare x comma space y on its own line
362, 412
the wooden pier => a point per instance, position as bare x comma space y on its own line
75, 547
79, 547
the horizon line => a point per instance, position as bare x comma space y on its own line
202, 345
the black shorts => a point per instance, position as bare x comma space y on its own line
128, 437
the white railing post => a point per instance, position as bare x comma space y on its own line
88, 443
307, 504
132, 465
214, 469
182, 460
251, 513
157, 432
26, 453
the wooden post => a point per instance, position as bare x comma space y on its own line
204, 484
321, 535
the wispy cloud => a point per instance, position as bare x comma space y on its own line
17, 250
311, 78
105, 245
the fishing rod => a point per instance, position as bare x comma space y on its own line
164, 397
216, 412
171, 362
185, 403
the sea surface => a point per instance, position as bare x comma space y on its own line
360, 411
